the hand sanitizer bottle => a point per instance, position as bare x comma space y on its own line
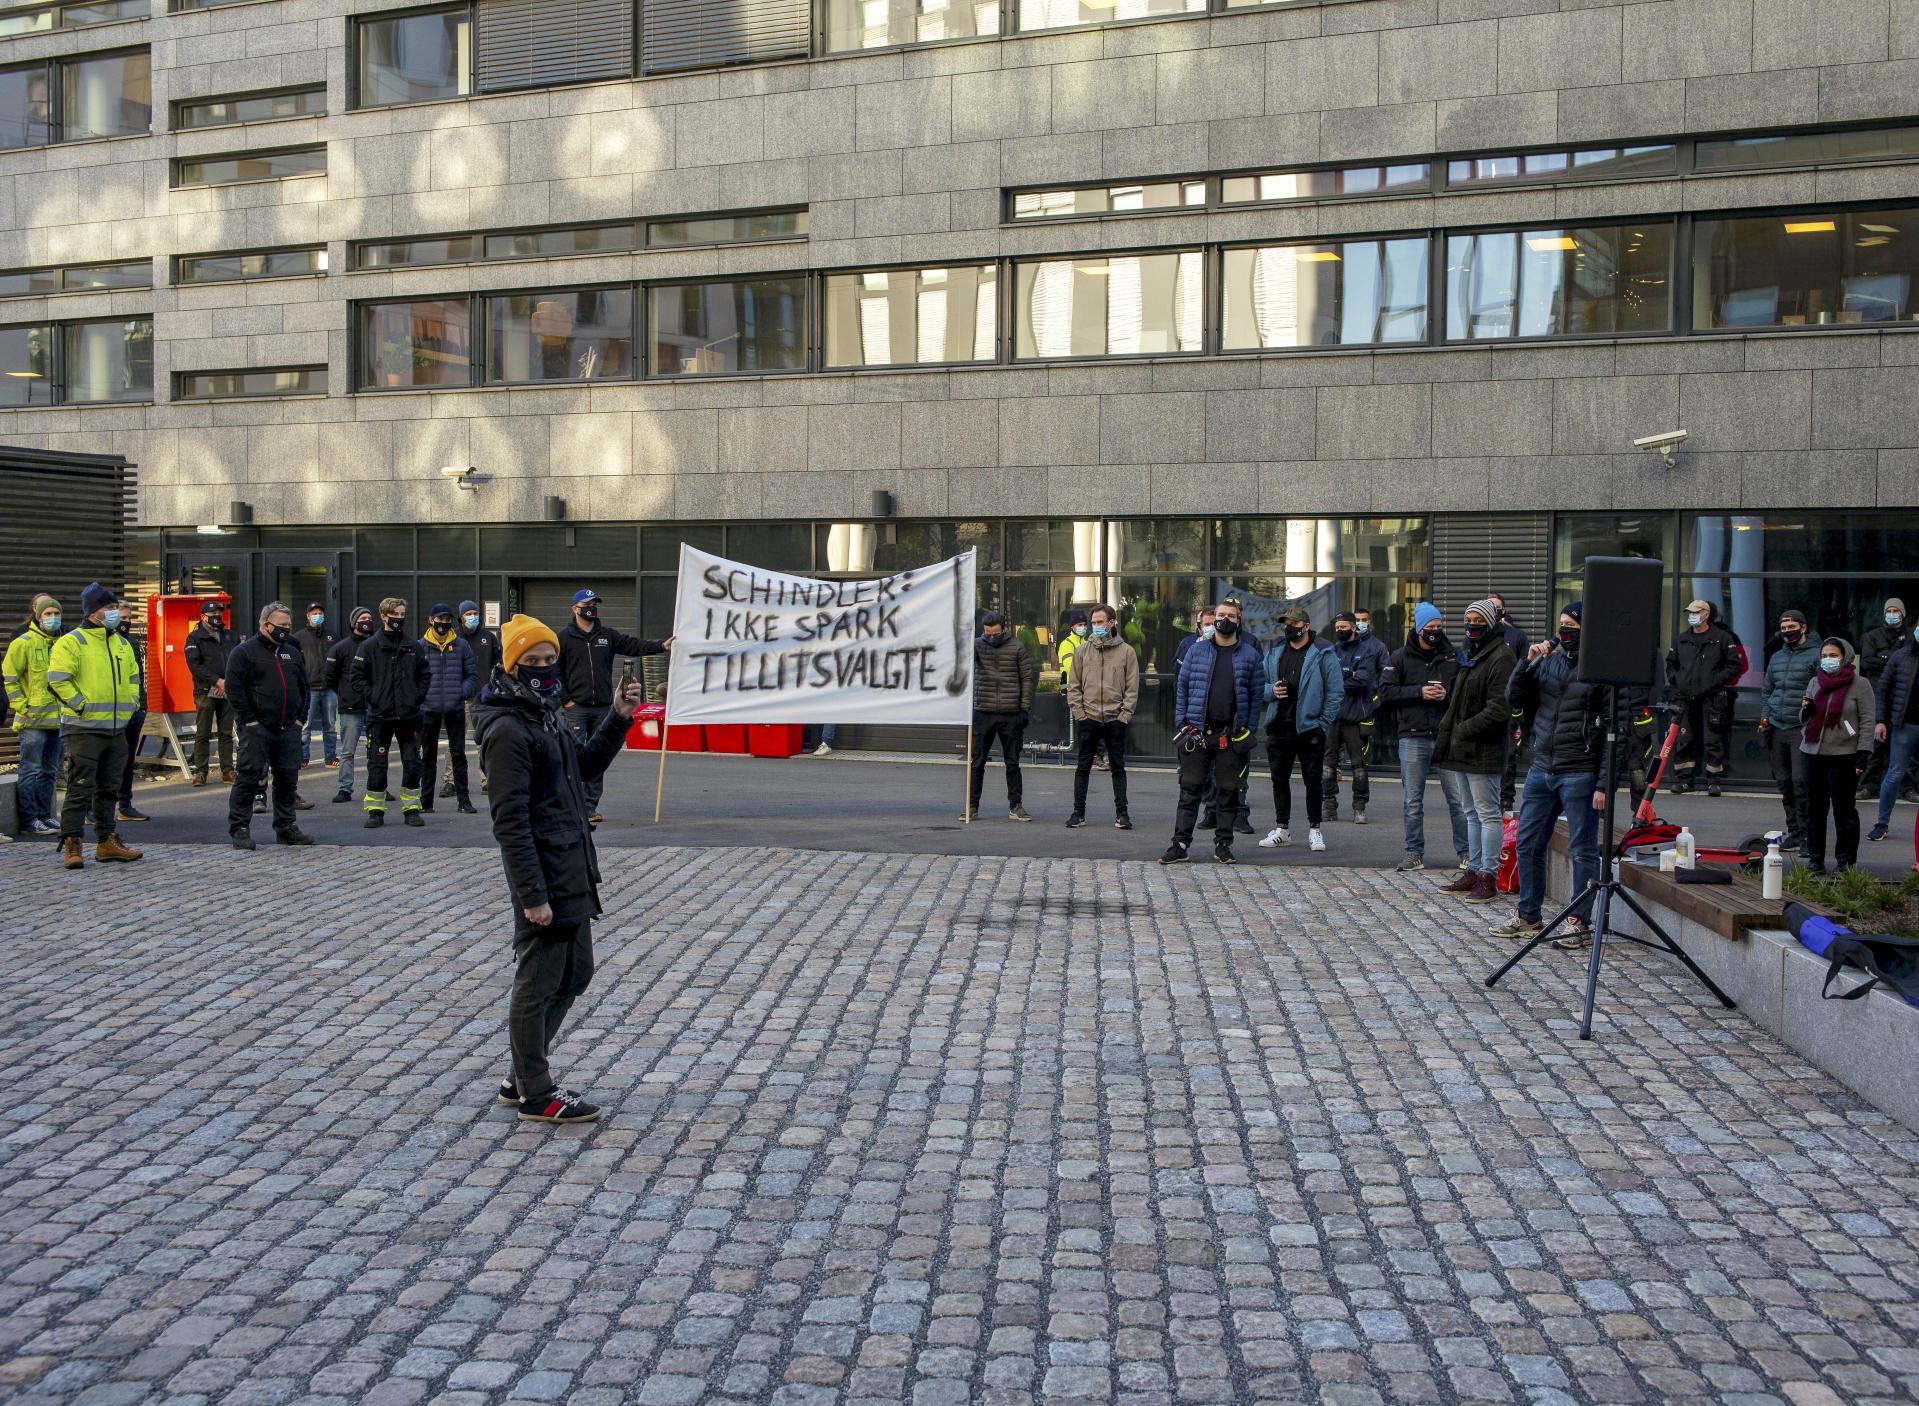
1683, 848
1772, 883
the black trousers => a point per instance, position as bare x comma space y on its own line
1092, 735
1008, 729
1221, 769
265, 753
1308, 749
1832, 785
382, 733
585, 720
1354, 740
211, 717
134, 728
1789, 775
431, 726
1702, 737
94, 763
552, 967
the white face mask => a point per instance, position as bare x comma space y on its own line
1205, 632
1693, 618
1365, 627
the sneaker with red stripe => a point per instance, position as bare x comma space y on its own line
558, 1106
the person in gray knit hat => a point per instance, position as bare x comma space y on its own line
1470, 749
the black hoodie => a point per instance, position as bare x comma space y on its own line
1410, 670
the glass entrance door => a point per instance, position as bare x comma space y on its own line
300, 579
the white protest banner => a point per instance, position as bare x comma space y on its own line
752, 645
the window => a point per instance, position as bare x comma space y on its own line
222, 385
536, 43
1805, 270
249, 166
415, 253
414, 58
1053, 14
415, 345
80, 278
1330, 184
94, 95
66, 363
1559, 282
553, 243
1807, 149
727, 326
726, 229
1109, 305
583, 335
903, 316
680, 34
264, 263
76, 16
1319, 295
250, 107
872, 24
1579, 164
1108, 200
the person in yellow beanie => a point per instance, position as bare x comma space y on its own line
537, 774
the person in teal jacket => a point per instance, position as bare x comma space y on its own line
1787, 673
1303, 691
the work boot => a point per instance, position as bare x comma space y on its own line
446, 787
1242, 824
199, 778
1712, 789
466, 805
342, 797
295, 836
1359, 815
1484, 890
241, 839
109, 848
70, 855
1331, 810
1462, 883
300, 802
228, 776
414, 819
375, 819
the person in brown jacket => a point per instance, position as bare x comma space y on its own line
1101, 692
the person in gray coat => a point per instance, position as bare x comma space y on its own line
1003, 682
1836, 739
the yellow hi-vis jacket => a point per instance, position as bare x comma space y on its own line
25, 674
96, 676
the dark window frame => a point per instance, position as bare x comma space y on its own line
638, 223
356, 25
1208, 292
1680, 249
63, 269
178, 104
1685, 267
181, 378
810, 350
1010, 195
55, 66
648, 221
817, 334
179, 260
1435, 312
1443, 183
59, 10
57, 384
481, 335
178, 163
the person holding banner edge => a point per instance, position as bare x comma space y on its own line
1003, 682
538, 770
586, 672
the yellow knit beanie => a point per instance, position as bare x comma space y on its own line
519, 635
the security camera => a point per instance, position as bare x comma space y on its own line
1662, 444
462, 476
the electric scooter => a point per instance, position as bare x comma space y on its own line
1648, 831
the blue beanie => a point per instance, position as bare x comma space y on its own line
96, 597
1424, 614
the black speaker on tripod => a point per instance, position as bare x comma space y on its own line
1619, 637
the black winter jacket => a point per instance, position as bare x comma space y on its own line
1003, 677
389, 676
586, 661
206, 654
339, 674
1879, 646
1894, 690
1360, 661
486, 651
267, 684
1701, 663
1569, 730
1472, 734
314, 646
536, 783
1410, 670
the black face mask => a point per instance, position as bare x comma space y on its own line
1225, 629
395, 628
590, 615
1295, 633
1345, 636
1429, 638
1790, 634
1569, 637
212, 622
543, 679
362, 628
1476, 632
280, 634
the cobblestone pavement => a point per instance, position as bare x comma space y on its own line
907, 1128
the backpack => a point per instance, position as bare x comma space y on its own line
1884, 958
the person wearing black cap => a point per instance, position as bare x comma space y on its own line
315, 642
206, 652
338, 677
452, 680
1790, 669
587, 651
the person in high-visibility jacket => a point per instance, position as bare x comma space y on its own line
93, 673
36, 715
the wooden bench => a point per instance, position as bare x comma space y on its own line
1726, 909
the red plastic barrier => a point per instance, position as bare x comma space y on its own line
774, 739
643, 734
729, 738
686, 737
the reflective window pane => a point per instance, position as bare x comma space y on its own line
1119, 305
903, 316
415, 344
28, 283
1394, 546
1807, 149
416, 253
24, 365
597, 239
1810, 270
1052, 14
727, 229
136, 274
107, 360
103, 12
872, 24
1589, 164
257, 107
212, 385
254, 166
26, 106
271, 263
1327, 184
28, 22
108, 96
1559, 282
414, 58
749, 324
1305, 295
1157, 544
1107, 200
1155, 614
1577, 536
584, 335
1802, 543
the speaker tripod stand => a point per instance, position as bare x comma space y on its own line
1603, 890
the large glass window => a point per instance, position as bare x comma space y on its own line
726, 229
1053, 14
569, 335
901, 316
220, 385
1110, 305
1805, 270
1306, 295
872, 24
1107, 200
1807, 149
417, 344
26, 365
250, 166
726, 326
1559, 282
415, 58
250, 107
107, 360
106, 95
264, 263
26, 105
1333, 183
1576, 164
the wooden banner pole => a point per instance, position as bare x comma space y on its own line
966, 815
659, 788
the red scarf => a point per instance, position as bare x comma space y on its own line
1829, 700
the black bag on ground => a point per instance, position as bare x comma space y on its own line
1892, 960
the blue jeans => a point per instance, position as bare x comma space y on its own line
323, 712
39, 765
1415, 765
1546, 796
352, 729
1477, 798
1904, 738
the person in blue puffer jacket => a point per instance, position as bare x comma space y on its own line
452, 679
1216, 702
1303, 694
